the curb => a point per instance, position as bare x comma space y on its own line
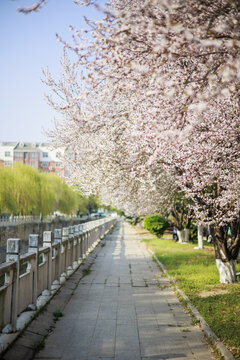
206, 329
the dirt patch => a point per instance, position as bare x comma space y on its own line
213, 292
144, 233
209, 250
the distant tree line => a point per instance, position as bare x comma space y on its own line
24, 191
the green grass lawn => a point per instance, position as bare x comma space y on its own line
197, 276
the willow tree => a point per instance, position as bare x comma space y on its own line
25, 190
26, 181
7, 200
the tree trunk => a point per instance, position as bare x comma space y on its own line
186, 235
200, 236
226, 250
227, 271
181, 236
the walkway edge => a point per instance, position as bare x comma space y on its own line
206, 329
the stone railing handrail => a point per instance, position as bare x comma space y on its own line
29, 280
23, 219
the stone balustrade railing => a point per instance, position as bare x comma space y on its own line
23, 219
29, 280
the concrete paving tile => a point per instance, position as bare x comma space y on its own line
126, 315
81, 337
59, 337
51, 350
19, 352
127, 346
108, 310
87, 316
100, 358
103, 340
128, 356
102, 348
151, 344
126, 331
167, 356
30, 339
108, 315
76, 353
197, 343
155, 351
41, 324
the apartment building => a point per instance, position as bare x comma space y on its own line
41, 156
6, 153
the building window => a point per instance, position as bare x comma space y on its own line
7, 153
57, 155
33, 155
44, 164
33, 164
7, 163
45, 154
58, 164
18, 155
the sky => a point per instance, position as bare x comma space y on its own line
27, 45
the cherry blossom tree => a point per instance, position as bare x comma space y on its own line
209, 169
32, 8
151, 107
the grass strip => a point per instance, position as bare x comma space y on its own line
197, 276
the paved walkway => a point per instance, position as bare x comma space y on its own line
124, 310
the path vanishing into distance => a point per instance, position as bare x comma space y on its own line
123, 309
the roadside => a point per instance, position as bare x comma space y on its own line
196, 275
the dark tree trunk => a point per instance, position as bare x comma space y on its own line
226, 249
179, 214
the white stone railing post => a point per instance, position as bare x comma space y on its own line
103, 227
94, 239
88, 226
33, 246
81, 239
86, 242
77, 246
47, 242
72, 235
13, 255
80, 228
96, 235
80, 243
70, 247
65, 234
84, 237
58, 240
90, 239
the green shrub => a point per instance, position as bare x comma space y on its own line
193, 237
156, 224
193, 233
